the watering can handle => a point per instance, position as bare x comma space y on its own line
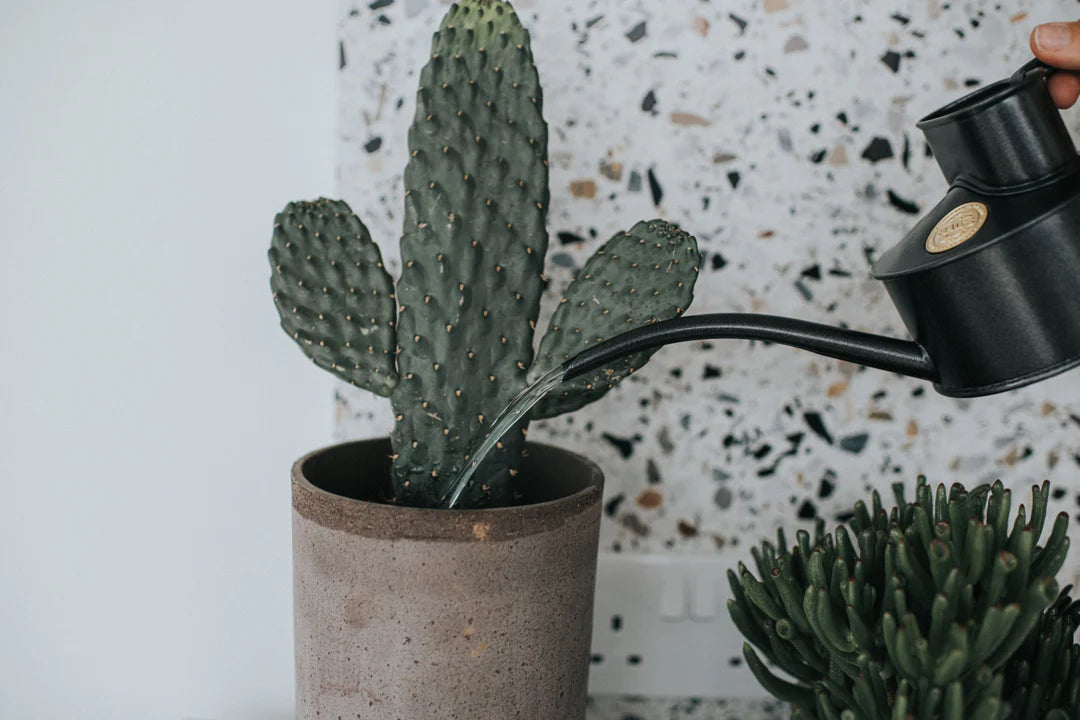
1032, 66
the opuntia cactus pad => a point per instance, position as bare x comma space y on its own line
334, 296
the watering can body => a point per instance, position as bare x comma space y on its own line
988, 282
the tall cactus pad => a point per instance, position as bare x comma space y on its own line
933, 610
638, 277
334, 297
476, 195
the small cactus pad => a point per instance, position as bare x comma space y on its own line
636, 278
334, 297
476, 196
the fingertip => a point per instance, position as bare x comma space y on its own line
1057, 44
1064, 88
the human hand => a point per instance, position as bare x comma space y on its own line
1058, 44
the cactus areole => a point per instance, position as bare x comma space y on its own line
452, 341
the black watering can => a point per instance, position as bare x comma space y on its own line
988, 283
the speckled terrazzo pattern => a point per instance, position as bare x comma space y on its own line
781, 133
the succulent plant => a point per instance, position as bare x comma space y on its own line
933, 610
452, 342
1045, 672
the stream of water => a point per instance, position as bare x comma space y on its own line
507, 419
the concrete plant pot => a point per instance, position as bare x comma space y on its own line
408, 613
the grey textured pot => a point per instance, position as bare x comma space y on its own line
408, 614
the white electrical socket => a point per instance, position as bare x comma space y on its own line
661, 628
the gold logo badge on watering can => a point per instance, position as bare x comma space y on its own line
956, 228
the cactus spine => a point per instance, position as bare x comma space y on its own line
452, 343
932, 610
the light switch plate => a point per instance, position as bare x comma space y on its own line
661, 628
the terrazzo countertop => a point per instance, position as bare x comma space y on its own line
782, 134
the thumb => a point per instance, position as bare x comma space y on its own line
1058, 44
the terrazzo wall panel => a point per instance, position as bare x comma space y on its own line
781, 133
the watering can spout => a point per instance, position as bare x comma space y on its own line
884, 353
987, 283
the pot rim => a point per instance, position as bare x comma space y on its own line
382, 520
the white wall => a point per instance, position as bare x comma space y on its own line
149, 405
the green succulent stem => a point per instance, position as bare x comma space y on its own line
938, 611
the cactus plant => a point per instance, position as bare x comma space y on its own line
934, 610
452, 342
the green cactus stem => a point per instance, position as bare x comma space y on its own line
476, 196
